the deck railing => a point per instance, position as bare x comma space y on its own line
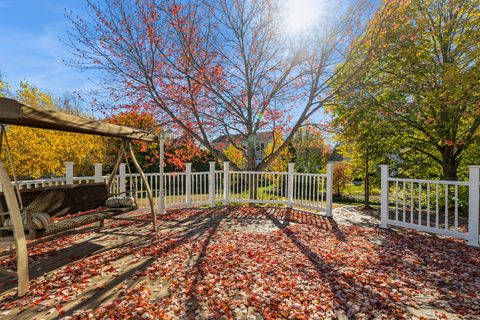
187, 189
442, 207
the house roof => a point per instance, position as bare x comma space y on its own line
13, 112
259, 135
335, 156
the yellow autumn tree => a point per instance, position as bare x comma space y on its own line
38, 153
280, 163
235, 155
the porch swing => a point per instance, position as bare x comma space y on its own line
18, 204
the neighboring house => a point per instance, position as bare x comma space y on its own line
335, 156
261, 140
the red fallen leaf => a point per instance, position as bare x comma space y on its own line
60, 309
331, 273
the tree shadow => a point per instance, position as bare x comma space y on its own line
336, 280
139, 243
197, 272
444, 267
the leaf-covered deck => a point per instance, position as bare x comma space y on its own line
246, 263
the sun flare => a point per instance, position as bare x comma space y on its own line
301, 15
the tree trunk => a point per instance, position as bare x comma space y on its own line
449, 167
252, 166
450, 164
367, 182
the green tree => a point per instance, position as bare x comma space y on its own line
421, 88
310, 150
363, 137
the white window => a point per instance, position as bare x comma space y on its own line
260, 147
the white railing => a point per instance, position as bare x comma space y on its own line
186, 189
448, 208
61, 181
309, 190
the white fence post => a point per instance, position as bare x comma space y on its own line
123, 178
329, 195
291, 169
226, 182
211, 184
97, 177
473, 204
384, 196
69, 173
188, 184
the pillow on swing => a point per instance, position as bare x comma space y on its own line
120, 202
40, 220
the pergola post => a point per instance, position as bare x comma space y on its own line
188, 184
18, 232
473, 205
290, 186
211, 184
146, 184
329, 193
384, 196
123, 177
69, 173
161, 187
97, 176
226, 183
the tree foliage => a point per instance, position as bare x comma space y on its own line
220, 67
310, 150
178, 151
38, 153
341, 178
235, 155
280, 164
419, 91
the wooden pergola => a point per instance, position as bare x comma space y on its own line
13, 112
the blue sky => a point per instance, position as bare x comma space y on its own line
30, 32
31, 49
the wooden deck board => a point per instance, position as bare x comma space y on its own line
185, 238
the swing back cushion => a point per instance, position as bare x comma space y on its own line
120, 202
57, 201
40, 220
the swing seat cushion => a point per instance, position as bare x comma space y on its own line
40, 220
80, 221
120, 202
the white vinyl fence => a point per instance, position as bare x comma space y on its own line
448, 208
187, 189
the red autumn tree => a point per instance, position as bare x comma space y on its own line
178, 151
218, 67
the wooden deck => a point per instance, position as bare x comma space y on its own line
209, 263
